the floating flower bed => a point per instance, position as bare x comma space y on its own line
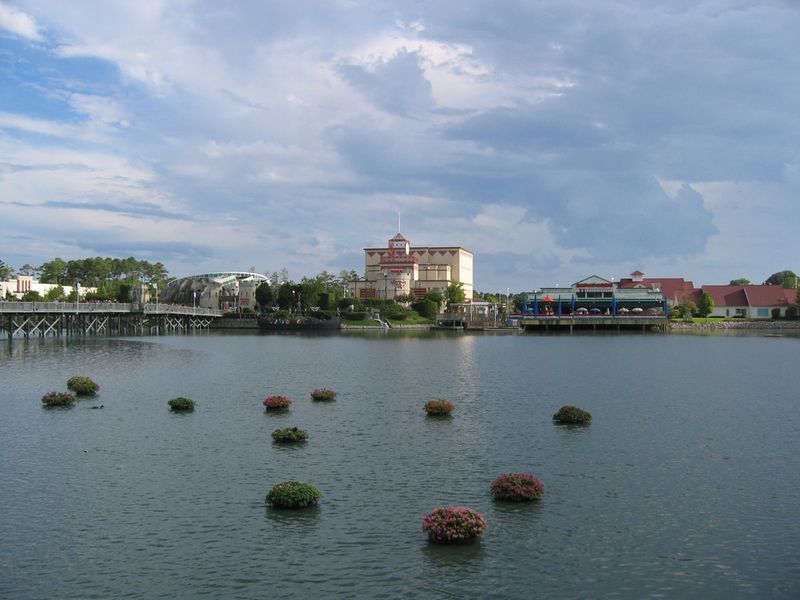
181, 404
289, 435
323, 394
453, 524
292, 494
58, 399
82, 385
439, 408
572, 415
517, 487
276, 402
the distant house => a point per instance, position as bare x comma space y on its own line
745, 301
749, 301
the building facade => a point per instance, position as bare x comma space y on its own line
400, 269
595, 296
23, 284
228, 290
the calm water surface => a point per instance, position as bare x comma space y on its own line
686, 484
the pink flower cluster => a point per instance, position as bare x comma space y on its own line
453, 524
517, 487
276, 402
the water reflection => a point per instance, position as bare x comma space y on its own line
454, 555
530, 509
294, 520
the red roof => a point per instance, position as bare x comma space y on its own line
751, 295
637, 274
675, 289
770, 295
726, 295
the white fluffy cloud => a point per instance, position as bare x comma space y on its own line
19, 23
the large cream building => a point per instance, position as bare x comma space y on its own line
400, 269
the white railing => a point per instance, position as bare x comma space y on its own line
105, 307
65, 307
179, 309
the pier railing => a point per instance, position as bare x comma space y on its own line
106, 307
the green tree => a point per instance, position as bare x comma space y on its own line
309, 290
785, 278
455, 293
31, 296
327, 300
55, 294
426, 308
435, 296
5, 271
53, 271
706, 306
27, 269
286, 295
740, 281
487, 297
344, 278
326, 280
686, 309
264, 295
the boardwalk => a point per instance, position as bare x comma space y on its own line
23, 319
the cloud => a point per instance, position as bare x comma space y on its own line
554, 139
19, 23
397, 85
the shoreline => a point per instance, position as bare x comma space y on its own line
679, 326
673, 326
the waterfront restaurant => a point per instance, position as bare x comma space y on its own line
594, 296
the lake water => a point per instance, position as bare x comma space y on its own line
685, 485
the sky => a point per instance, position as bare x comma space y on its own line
555, 139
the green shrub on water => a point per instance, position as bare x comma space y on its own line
323, 394
292, 494
572, 415
58, 399
82, 385
289, 435
180, 403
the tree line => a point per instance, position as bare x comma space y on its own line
113, 277
327, 293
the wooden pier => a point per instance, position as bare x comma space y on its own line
26, 319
